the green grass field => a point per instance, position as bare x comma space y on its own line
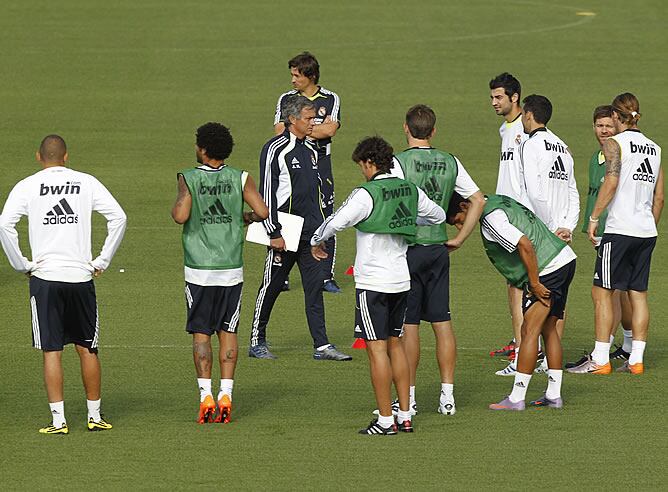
127, 82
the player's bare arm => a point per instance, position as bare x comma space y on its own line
477, 203
259, 210
657, 204
528, 257
181, 208
613, 166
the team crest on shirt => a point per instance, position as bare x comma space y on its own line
322, 111
518, 139
278, 261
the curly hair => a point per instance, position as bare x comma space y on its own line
375, 150
215, 139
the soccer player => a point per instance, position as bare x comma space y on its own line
549, 187
385, 211
210, 205
289, 182
530, 256
305, 72
632, 192
438, 174
604, 128
59, 202
505, 95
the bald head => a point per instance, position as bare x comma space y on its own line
52, 150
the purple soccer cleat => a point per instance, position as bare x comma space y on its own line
506, 404
544, 401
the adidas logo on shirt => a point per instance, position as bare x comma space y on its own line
295, 163
433, 190
402, 217
61, 213
216, 214
558, 170
644, 172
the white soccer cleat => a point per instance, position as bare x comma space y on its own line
447, 407
509, 370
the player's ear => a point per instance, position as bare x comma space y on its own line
433, 132
65, 157
38, 156
515, 98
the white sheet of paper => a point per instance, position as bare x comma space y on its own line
291, 230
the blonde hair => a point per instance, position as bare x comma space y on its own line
626, 105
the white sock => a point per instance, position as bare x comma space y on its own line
447, 392
520, 387
93, 410
628, 340
612, 339
204, 388
402, 416
58, 413
226, 386
411, 391
637, 351
386, 421
554, 383
601, 353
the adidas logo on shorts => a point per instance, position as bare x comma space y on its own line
61, 213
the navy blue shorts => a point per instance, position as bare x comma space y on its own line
213, 308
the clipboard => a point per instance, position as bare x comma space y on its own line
291, 230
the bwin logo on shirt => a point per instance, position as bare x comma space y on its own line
402, 217
558, 170
61, 213
216, 214
433, 189
644, 172
69, 188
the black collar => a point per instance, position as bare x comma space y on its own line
541, 129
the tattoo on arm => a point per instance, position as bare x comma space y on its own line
183, 191
613, 157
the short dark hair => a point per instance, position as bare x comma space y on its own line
454, 207
375, 150
307, 65
508, 83
539, 106
293, 105
421, 120
52, 148
216, 140
603, 112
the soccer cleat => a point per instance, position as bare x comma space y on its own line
260, 351
330, 353
542, 365
447, 407
374, 428
405, 426
224, 410
207, 408
579, 362
591, 367
506, 404
395, 408
504, 351
50, 429
637, 368
331, 286
509, 370
544, 401
98, 425
619, 354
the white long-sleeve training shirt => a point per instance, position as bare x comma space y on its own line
59, 203
549, 190
380, 261
510, 178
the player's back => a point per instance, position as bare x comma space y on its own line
630, 211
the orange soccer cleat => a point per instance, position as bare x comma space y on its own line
206, 410
224, 410
637, 368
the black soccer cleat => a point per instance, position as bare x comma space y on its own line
375, 429
619, 354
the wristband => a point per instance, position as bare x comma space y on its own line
592, 219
